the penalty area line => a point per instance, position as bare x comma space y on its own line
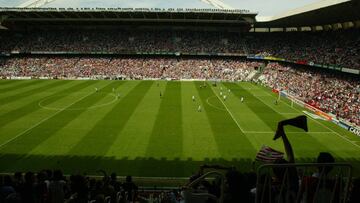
232, 116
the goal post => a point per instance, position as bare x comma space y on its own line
300, 103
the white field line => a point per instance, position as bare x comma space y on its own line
43, 120
274, 108
207, 101
266, 132
232, 116
345, 138
76, 109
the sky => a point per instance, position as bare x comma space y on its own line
262, 7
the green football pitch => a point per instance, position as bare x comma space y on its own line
127, 127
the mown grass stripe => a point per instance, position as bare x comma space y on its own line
113, 121
19, 85
168, 125
46, 129
231, 142
29, 93
103, 134
4, 82
131, 136
197, 131
8, 83
53, 152
33, 106
166, 137
90, 99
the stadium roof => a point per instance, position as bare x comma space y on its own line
319, 13
264, 8
157, 11
21, 17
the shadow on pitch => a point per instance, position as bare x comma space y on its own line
125, 166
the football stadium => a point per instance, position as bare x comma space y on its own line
179, 101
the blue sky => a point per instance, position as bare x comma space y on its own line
263, 7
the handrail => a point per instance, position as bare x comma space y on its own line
222, 186
262, 187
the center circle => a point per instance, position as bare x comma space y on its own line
65, 101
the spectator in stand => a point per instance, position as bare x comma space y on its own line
57, 188
130, 189
130, 68
41, 188
238, 187
79, 189
355, 191
319, 187
114, 182
7, 188
27, 190
337, 48
18, 180
334, 93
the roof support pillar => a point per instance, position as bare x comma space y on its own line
313, 28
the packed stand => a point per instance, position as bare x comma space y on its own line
127, 68
331, 92
120, 41
53, 186
335, 48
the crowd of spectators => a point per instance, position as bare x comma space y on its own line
331, 92
121, 41
49, 186
129, 68
335, 48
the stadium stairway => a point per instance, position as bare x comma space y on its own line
251, 75
258, 73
